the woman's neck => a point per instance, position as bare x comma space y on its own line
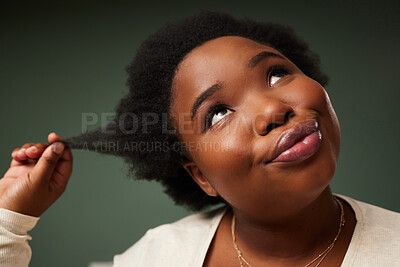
295, 239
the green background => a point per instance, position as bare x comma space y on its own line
59, 60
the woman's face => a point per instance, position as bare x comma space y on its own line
233, 101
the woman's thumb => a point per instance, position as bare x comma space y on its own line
44, 168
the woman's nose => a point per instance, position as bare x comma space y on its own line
273, 114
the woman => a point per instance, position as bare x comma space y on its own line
248, 124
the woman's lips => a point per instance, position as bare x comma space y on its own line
297, 143
301, 150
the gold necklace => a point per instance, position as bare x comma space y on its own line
320, 256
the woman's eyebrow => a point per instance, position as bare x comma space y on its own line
203, 96
260, 57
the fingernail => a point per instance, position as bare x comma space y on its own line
32, 149
58, 148
21, 152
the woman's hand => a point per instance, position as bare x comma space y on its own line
37, 177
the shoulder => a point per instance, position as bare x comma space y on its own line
188, 236
376, 238
373, 216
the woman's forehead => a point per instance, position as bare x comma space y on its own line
218, 54
220, 58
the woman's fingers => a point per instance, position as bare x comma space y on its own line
28, 151
38, 175
21, 153
53, 137
36, 150
47, 160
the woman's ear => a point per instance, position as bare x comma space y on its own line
200, 179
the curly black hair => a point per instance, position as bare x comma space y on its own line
142, 132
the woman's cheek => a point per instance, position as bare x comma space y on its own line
229, 157
315, 97
320, 101
305, 93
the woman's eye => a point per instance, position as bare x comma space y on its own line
219, 115
275, 74
216, 114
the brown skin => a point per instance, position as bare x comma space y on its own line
36, 178
284, 211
